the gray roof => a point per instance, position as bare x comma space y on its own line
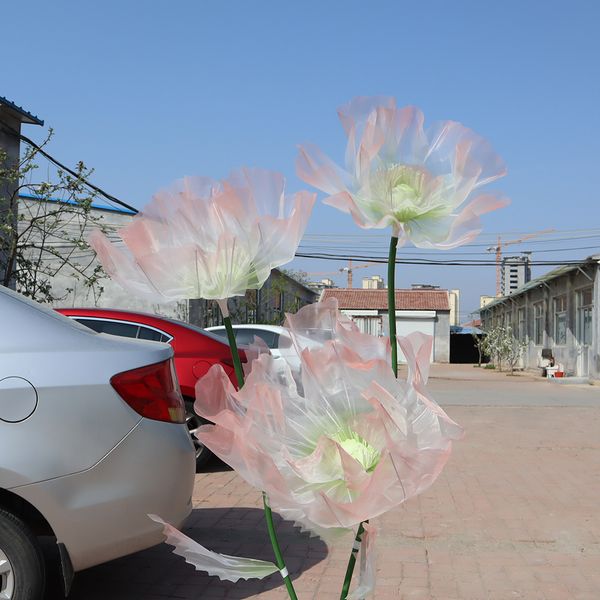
558, 272
22, 114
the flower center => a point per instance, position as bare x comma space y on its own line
405, 185
359, 449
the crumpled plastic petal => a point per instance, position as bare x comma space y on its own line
206, 239
230, 568
355, 443
398, 174
367, 557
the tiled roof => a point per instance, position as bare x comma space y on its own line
24, 115
377, 299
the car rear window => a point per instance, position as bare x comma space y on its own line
246, 336
110, 327
146, 333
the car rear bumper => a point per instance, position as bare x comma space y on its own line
101, 514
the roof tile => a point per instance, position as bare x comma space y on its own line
358, 299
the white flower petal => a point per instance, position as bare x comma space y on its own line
230, 568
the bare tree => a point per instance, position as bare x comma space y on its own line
43, 226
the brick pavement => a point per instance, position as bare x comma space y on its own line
514, 515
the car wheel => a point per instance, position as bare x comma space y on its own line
193, 421
21, 561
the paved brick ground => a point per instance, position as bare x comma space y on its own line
514, 515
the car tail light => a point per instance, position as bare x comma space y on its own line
152, 391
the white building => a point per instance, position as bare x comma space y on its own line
516, 272
425, 310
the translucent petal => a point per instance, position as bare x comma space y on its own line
230, 568
397, 174
367, 556
206, 239
354, 444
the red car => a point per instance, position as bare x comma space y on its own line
195, 351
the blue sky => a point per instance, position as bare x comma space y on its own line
149, 92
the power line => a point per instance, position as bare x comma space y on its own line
56, 162
429, 262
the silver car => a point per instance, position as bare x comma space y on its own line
92, 439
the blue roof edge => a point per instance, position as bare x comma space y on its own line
33, 120
106, 207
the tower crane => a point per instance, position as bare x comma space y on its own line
349, 270
498, 250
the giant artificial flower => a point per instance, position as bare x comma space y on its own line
425, 184
356, 444
208, 239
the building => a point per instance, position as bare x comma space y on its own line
454, 297
516, 272
425, 310
72, 292
12, 117
558, 312
485, 300
375, 282
279, 295
321, 285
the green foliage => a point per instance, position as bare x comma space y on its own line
41, 238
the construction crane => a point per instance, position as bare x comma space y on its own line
349, 270
498, 250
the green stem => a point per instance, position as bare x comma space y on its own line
394, 343
235, 355
351, 563
276, 549
392, 302
239, 373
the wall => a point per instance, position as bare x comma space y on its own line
442, 337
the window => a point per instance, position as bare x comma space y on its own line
246, 337
521, 324
538, 324
110, 327
130, 330
147, 333
583, 325
370, 325
560, 320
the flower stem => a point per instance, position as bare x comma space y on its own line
239, 373
351, 563
235, 355
276, 549
394, 344
392, 301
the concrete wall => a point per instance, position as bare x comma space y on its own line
441, 342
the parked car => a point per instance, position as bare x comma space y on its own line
277, 339
195, 351
92, 439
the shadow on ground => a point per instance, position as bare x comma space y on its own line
158, 573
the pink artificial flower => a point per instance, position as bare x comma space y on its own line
425, 184
356, 444
207, 239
